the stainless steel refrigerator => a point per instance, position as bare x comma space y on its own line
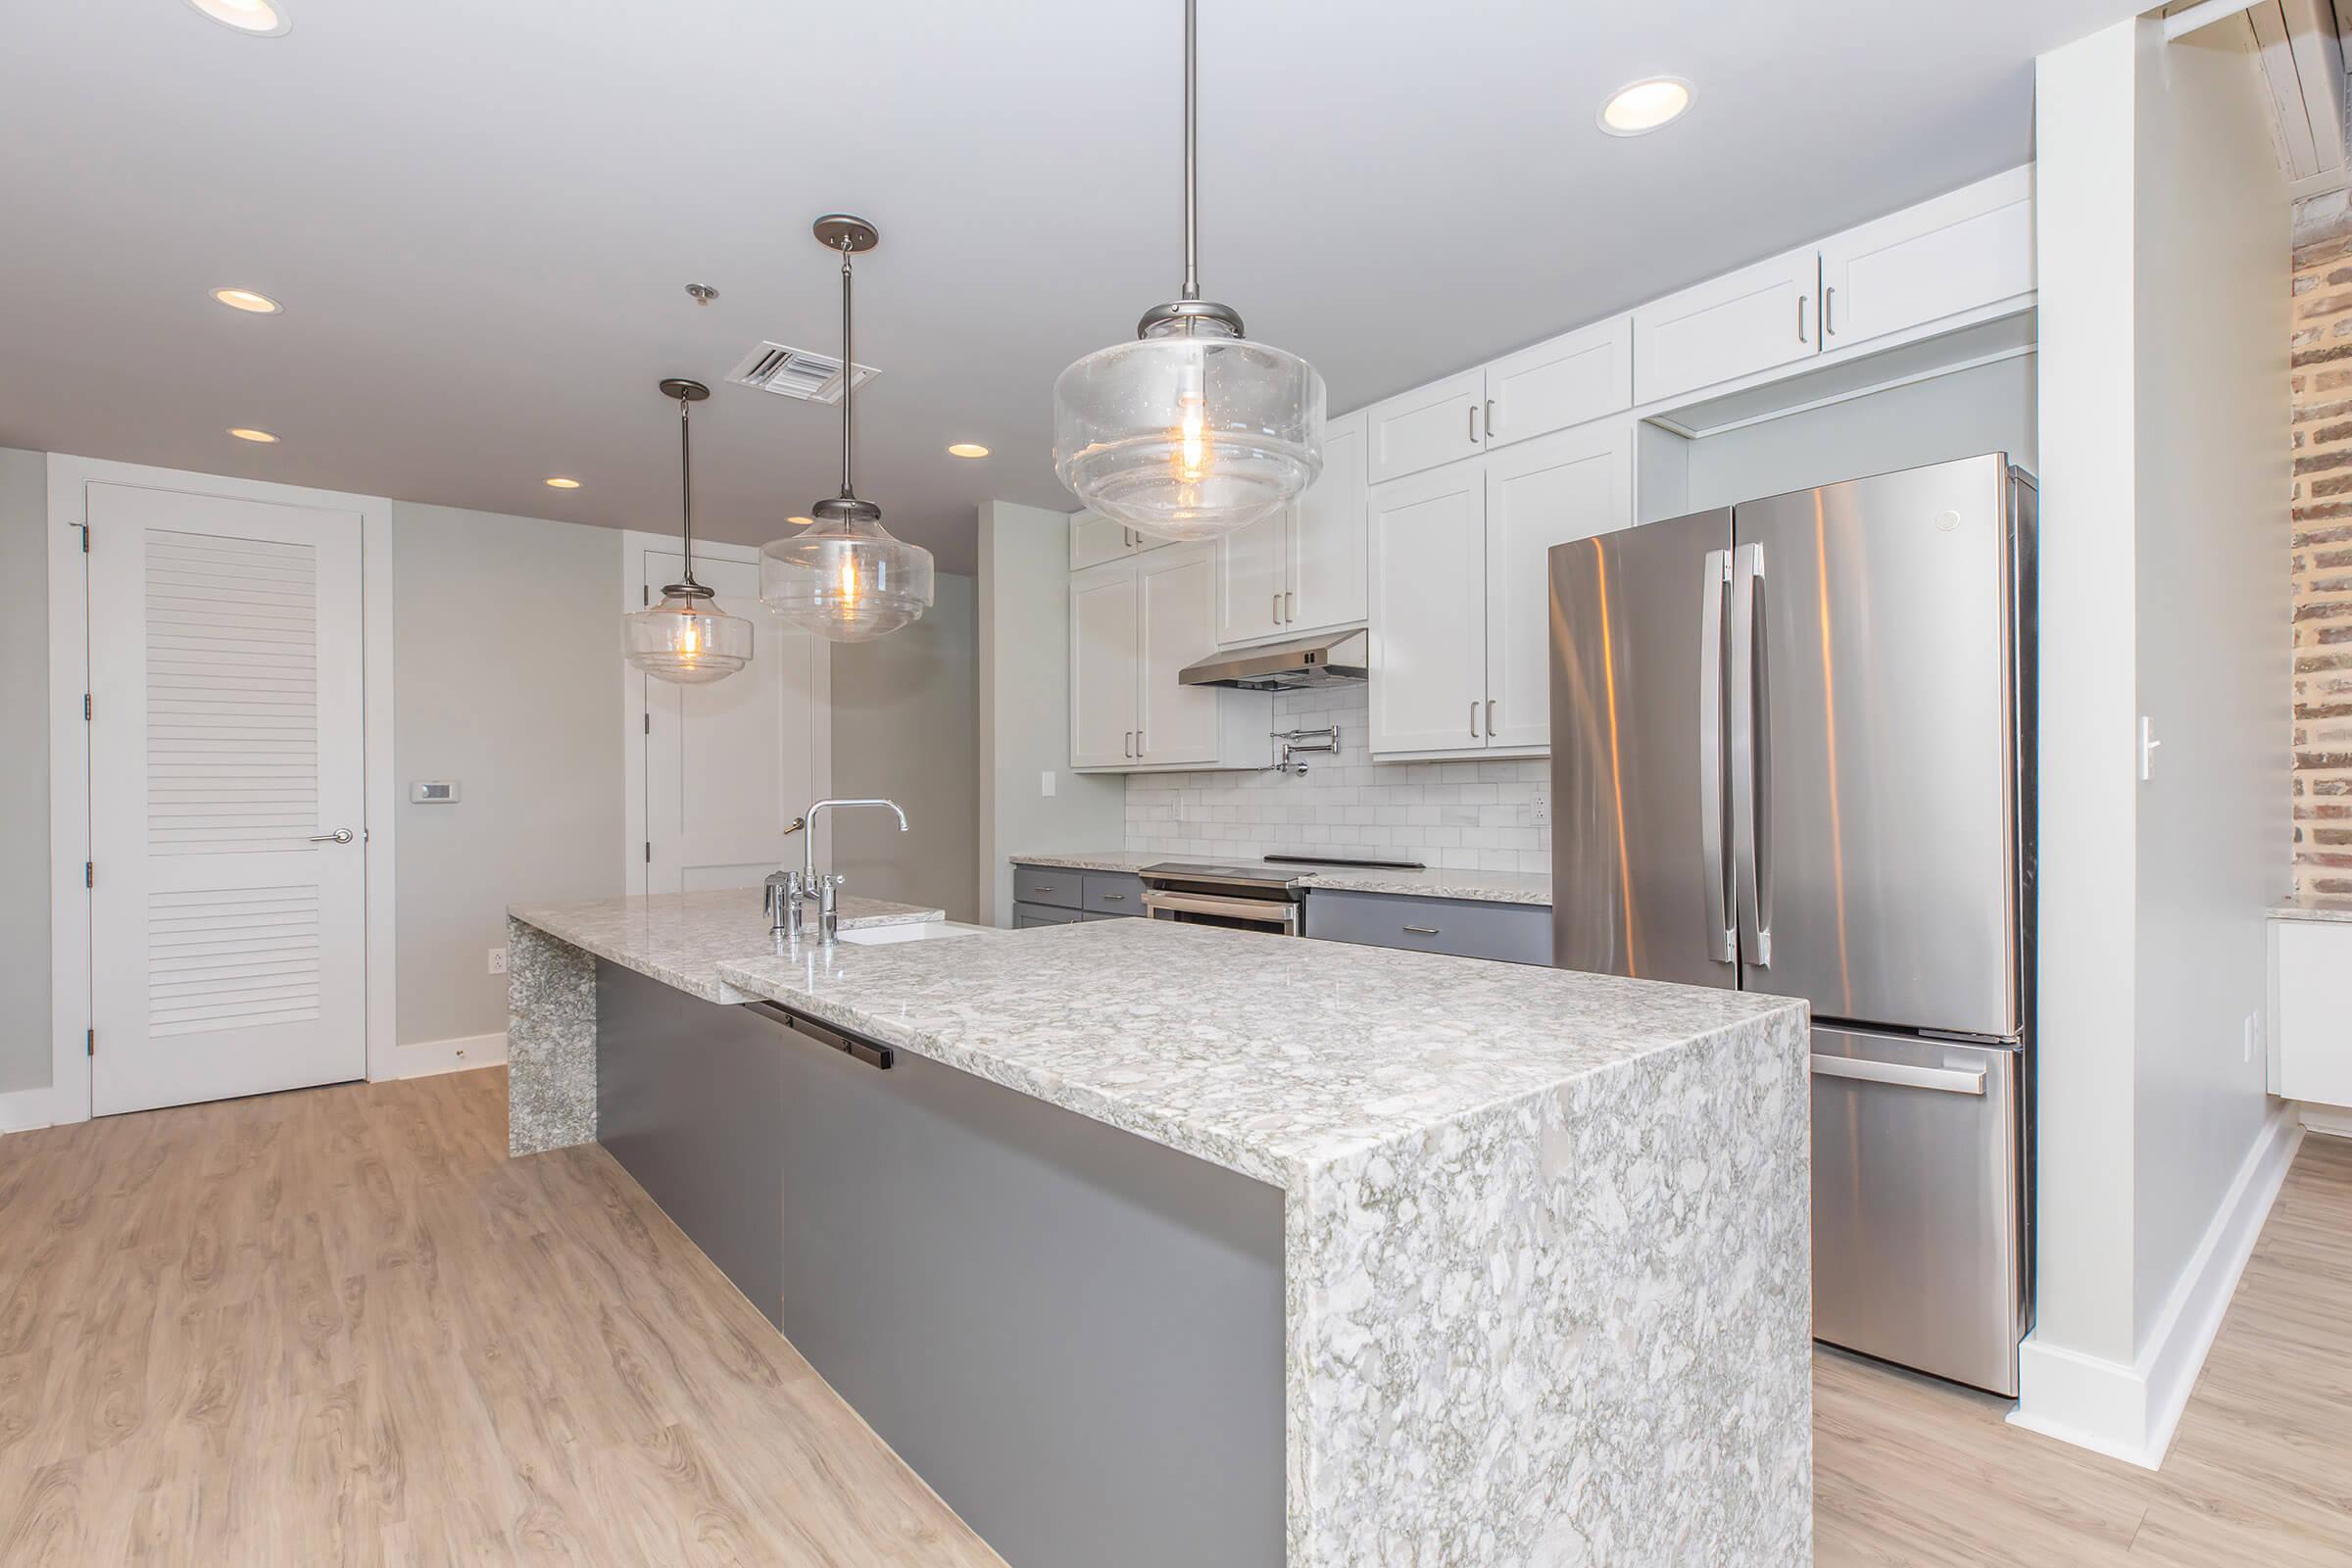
1792, 753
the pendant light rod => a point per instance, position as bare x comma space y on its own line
848, 375
1191, 150
688, 392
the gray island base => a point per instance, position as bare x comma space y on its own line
1159, 1244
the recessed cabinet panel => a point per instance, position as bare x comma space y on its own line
1728, 327
1429, 592
1177, 591
1573, 484
1252, 574
1962, 251
1328, 586
1429, 425
1105, 619
1571, 379
1095, 539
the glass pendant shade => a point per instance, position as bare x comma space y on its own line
1188, 435
845, 578
686, 639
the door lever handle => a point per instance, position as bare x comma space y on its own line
341, 835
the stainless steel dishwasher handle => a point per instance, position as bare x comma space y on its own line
1948, 1080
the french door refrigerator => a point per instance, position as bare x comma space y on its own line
1792, 753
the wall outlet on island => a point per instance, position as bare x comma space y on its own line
498, 961
1538, 809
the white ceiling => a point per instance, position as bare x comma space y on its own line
482, 217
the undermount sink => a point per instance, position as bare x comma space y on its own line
882, 936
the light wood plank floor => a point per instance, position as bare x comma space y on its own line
340, 1326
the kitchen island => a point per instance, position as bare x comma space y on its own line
1156, 1244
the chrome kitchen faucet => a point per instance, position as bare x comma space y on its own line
788, 892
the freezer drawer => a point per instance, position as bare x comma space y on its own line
1918, 1213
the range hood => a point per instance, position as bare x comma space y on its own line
1330, 660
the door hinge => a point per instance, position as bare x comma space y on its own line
86, 536
645, 595
649, 852
89, 1044
649, 723
89, 873
85, 707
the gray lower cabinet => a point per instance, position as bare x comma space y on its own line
1051, 895
1466, 928
1074, 1335
1025, 915
1047, 884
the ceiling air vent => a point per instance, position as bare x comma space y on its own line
802, 374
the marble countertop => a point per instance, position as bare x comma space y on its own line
1262, 1053
1485, 887
2314, 907
682, 937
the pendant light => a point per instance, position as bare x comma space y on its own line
1191, 430
686, 639
844, 577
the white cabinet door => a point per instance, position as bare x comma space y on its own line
1095, 539
227, 926
1426, 427
1973, 247
1177, 590
1729, 327
1429, 604
2311, 976
1103, 625
1327, 553
1572, 484
1252, 573
1581, 376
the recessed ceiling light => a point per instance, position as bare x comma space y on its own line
244, 433
245, 299
804, 522
558, 482
263, 19
968, 449
1645, 106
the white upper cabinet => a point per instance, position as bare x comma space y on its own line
1570, 485
1302, 570
1105, 647
1567, 382
1176, 589
1429, 608
1426, 427
1327, 553
1960, 252
1095, 539
1729, 327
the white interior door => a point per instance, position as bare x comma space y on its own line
1571, 484
227, 925
729, 765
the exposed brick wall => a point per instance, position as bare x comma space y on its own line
2321, 379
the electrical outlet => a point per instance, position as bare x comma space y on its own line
1538, 809
498, 961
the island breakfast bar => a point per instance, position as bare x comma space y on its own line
1163, 1245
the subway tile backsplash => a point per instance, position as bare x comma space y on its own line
1469, 814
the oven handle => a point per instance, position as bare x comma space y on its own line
1265, 911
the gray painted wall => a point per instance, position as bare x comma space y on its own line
1024, 660
507, 678
24, 771
1987, 408
905, 726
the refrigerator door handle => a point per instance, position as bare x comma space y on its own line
1751, 752
1722, 941
1948, 1080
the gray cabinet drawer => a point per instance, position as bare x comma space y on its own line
1514, 933
1025, 915
1046, 884
1113, 893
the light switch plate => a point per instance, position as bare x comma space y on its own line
1045, 783
433, 791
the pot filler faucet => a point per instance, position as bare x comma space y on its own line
787, 893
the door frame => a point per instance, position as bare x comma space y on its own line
634, 543
68, 1097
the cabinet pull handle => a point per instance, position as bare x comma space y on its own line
1829, 312
1490, 718
1114, 897
1800, 321
1289, 605
1474, 424
1489, 425
1422, 930
1277, 610
1127, 746
1474, 718
1139, 745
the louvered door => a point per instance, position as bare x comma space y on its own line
226, 924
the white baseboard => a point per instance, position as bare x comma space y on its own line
429, 1057
2333, 1120
24, 1109
2130, 1411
